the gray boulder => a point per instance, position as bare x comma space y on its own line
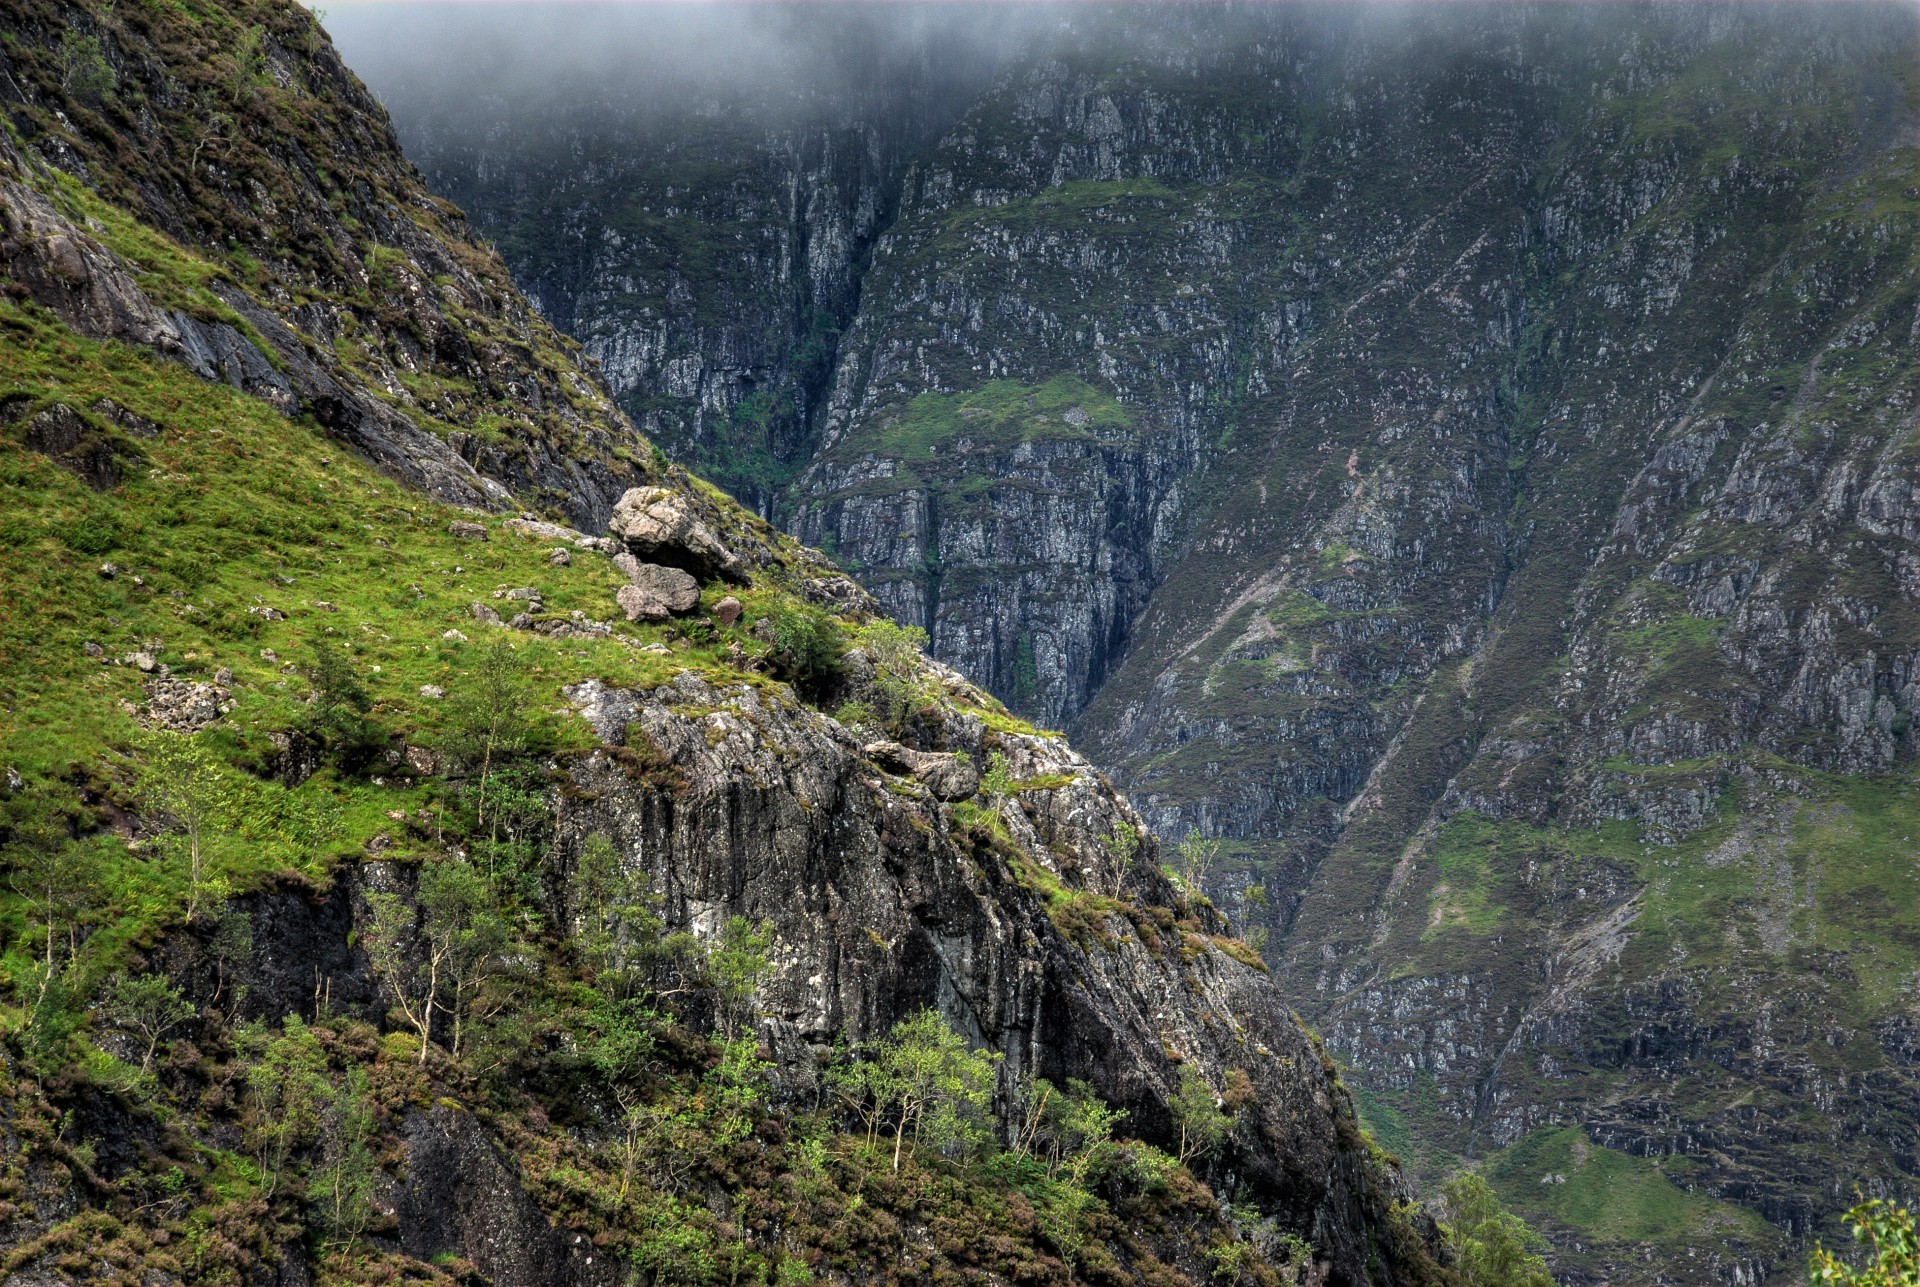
659, 526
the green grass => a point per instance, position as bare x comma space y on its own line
996, 416
1557, 1177
233, 508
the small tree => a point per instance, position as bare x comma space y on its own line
84, 70
231, 948
1197, 1112
923, 1080
489, 720
617, 927
997, 782
1893, 1250
413, 985
146, 1007
1253, 900
340, 1188
1123, 850
468, 935
897, 657
287, 1091
735, 964
1492, 1246
184, 780
339, 703
1193, 861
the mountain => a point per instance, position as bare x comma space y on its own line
408, 883
1461, 459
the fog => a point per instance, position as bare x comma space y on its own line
742, 60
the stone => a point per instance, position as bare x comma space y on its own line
93, 649
183, 706
433, 691
484, 615
948, 777
727, 611
467, 531
453, 636
559, 558
679, 591
527, 525
640, 605
142, 660
422, 761
223, 676
108, 571
659, 526
520, 621
265, 613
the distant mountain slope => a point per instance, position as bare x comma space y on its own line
400, 884
1463, 459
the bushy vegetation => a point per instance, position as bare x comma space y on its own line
1892, 1249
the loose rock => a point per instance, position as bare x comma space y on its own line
640, 605
728, 610
468, 531
658, 525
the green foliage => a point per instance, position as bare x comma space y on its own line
192, 790
340, 1187
489, 722
1122, 851
470, 945
897, 651
997, 783
808, 644
1893, 1250
736, 963
85, 72
287, 1093
1199, 1114
923, 1081
146, 1007
1193, 862
1492, 1247
339, 705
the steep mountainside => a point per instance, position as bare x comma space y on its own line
403, 886
1464, 460
711, 272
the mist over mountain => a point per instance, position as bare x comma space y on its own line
1458, 458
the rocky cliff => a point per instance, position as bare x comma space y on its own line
1464, 462
408, 883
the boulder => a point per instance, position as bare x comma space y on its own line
728, 611
659, 526
679, 591
485, 615
468, 531
640, 605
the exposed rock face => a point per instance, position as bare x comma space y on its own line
881, 906
1466, 465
